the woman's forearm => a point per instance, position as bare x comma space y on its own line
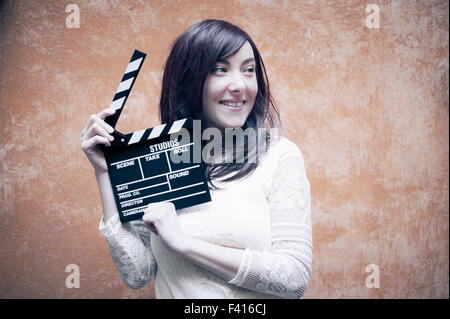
107, 196
223, 261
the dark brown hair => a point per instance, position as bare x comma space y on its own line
193, 56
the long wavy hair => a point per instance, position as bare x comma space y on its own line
193, 56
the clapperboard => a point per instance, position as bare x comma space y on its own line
145, 166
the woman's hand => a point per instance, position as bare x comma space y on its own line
96, 132
162, 219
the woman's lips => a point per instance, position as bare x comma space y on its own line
233, 106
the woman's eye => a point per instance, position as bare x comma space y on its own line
219, 69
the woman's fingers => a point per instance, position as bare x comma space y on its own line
99, 118
152, 228
105, 113
97, 129
161, 218
151, 215
149, 218
155, 213
89, 144
97, 126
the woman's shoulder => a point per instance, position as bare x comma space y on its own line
282, 155
281, 146
279, 149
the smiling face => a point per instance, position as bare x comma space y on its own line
230, 90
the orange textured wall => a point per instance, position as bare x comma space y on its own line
368, 107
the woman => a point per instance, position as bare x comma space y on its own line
254, 239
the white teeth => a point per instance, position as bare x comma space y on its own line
232, 104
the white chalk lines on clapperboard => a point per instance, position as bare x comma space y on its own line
129, 193
151, 153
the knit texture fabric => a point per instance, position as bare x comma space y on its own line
267, 214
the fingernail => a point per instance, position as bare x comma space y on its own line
110, 129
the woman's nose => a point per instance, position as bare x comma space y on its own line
237, 82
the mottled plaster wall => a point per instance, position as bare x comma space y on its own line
368, 107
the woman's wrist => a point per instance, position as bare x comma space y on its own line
223, 261
182, 245
106, 194
100, 173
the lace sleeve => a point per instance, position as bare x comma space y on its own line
129, 247
285, 269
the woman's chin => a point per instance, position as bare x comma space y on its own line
234, 125
222, 124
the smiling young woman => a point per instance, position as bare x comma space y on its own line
254, 239
198, 75
230, 90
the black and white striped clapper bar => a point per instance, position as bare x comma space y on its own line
152, 165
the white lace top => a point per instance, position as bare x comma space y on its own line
267, 214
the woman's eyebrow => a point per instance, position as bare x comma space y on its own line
245, 61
